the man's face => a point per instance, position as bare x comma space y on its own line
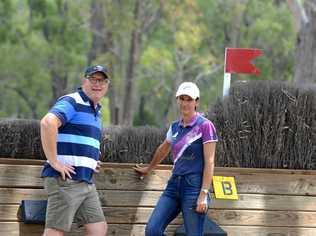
96, 86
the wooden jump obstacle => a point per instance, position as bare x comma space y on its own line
271, 201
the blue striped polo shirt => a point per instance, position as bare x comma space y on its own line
187, 144
78, 140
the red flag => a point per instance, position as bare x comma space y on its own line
238, 60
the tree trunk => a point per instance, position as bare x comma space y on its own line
305, 66
59, 85
32, 105
59, 80
298, 12
102, 43
134, 51
97, 25
114, 109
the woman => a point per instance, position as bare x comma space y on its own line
192, 140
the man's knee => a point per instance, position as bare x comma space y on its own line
52, 232
96, 229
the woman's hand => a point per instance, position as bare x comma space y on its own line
201, 204
142, 171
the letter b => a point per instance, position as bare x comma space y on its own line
227, 188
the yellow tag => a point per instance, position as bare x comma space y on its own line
225, 187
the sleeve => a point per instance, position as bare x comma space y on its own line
64, 109
208, 132
169, 135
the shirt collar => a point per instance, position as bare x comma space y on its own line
192, 121
85, 98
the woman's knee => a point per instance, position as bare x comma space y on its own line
153, 230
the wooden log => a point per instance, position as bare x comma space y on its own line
150, 198
20, 229
123, 177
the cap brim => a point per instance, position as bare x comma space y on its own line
104, 73
190, 95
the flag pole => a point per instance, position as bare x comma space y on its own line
226, 85
227, 78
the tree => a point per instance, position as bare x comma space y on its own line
189, 44
45, 47
176, 53
24, 94
118, 43
305, 67
102, 44
149, 46
60, 24
146, 15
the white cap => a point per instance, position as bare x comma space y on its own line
190, 89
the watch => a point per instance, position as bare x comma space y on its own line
204, 190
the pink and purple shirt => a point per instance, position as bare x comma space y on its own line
187, 144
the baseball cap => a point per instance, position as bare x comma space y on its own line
188, 88
94, 69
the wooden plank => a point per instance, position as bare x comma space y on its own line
140, 215
16, 195
114, 215
291, 184
263, 218
9, 212
150, 198
126, 179
233, 170
20, 229
116, 178
268, 202
287, 184
246, 201
135, 230
12, 161
20, 176
268, 231
129, 198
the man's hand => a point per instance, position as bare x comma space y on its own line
64, 170
98, 167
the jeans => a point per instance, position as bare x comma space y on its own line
180, 195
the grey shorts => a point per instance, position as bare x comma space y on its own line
71, 201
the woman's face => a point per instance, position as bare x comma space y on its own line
187, 105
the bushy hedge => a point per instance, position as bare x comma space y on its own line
263, 124
20, 139
131, 144
267, 124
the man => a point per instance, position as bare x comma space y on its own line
71, 134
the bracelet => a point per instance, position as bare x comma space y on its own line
205, 190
